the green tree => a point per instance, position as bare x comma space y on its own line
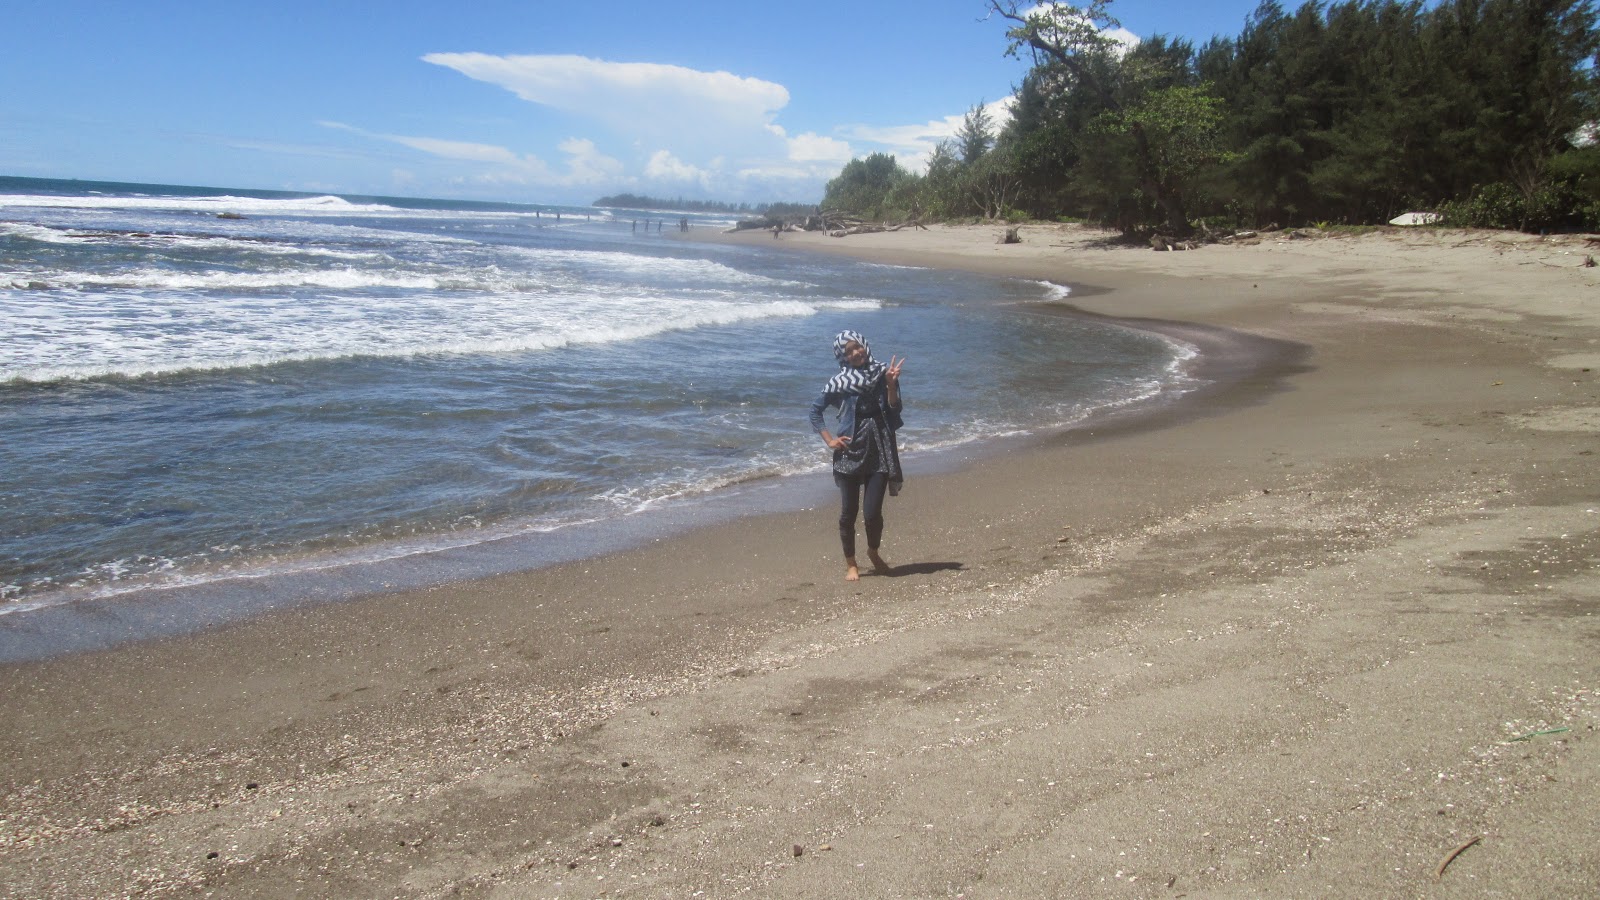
1138, 130
863, 188
942, 195
976, 135
1180, 127
1355, 110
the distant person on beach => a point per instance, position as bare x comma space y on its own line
866, 459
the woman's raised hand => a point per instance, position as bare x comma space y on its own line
893, 372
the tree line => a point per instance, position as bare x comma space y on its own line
1350, 112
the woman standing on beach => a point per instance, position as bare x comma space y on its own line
866, 460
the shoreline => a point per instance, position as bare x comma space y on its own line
1281, 642
84, 621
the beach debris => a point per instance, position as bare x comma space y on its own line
799, 851
1450, 857
229, 215
1417, 218
1162, 242
865, 228
1541, 733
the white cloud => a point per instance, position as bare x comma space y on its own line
665, 105
585, 164
713, 131
458, 149
812, 147
666, 167
710, 133
786, 173
913, 144
1125, 39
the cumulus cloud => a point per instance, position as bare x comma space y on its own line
587, 165
812, 147
662, 104
663, 166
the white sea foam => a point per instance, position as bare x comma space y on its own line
1055, 293
347, 279
653, 267
41, 233
325, 205
173, 241
139, 336
129, 576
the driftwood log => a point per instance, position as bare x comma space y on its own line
846, 229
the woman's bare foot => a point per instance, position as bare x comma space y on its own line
878, 565
851, 573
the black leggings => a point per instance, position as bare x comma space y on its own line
850, 491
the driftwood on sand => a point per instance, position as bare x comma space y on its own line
873, 228
840, 224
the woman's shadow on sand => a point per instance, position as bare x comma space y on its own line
924, 568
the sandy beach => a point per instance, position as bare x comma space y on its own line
1328, 629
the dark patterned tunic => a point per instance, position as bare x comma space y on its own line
872, 448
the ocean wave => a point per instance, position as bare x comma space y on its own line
346, 278
1055, 293
355, 339
550, 267
654, 267
320, 205
68, 236
311, 206
490, 279
42, 234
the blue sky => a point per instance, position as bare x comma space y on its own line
518, 100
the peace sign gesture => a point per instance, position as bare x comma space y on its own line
892, 374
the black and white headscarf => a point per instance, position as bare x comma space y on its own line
851, 380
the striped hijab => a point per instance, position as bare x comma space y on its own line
851, 380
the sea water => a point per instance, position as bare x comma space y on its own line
200, 384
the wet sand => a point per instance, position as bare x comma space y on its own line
1307, 634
